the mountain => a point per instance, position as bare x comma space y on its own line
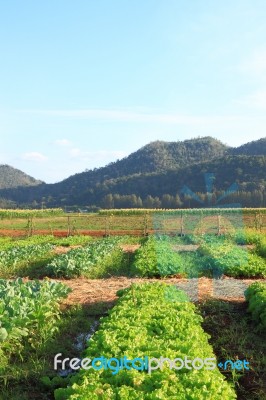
11, 178
156, 157
254, 148
154, 176
162, 156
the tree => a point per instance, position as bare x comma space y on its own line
108, 201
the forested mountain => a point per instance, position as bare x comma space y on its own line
155, 175
255, 148
156, 157
162, 156
11, 178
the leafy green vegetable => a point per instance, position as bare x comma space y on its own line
14, 257
156, 258
80, 261
256, 297
232, 260
149, 320
28, 314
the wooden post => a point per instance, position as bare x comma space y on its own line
51, 229
30, 226
106, 220
182, 224
219, 224
260, 221
68, 226
201, 224
145, 225
256, 221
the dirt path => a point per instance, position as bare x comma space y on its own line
92, 291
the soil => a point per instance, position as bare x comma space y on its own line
93, 291
65, 249
64, 233
130, 248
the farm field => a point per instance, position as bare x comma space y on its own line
132, 294
133, 222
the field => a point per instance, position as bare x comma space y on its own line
131, 222
133, 284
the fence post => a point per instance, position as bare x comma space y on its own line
219, 224
256, 221
106, 226
145, 225
68, 226
260, 221
30, 226
182, 224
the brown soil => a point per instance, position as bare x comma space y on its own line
64, 233
185, 247
92, 291
64, 249
130, 248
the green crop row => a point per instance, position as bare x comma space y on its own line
261, 247
184, 211
81, 261
8, 243
227, 258
150, 320
14, 257
252, 237
216, 256
248, 236
23, 213
156, 258
256, 297
29, 314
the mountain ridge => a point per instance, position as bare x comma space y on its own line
157, 169
11, 177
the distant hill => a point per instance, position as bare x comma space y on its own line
156, 157
154, 176
255, 148
12, 178
162, 156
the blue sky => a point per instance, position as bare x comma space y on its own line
87, 82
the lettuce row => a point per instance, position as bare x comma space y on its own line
151, 320
256, 297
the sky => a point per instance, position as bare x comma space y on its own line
88, 82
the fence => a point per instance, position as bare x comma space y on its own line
141, 224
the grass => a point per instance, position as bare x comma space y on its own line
193, 221
33, 376
233, 336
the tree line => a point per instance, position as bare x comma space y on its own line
255, 198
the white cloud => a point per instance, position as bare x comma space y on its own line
63, 142
34, 156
